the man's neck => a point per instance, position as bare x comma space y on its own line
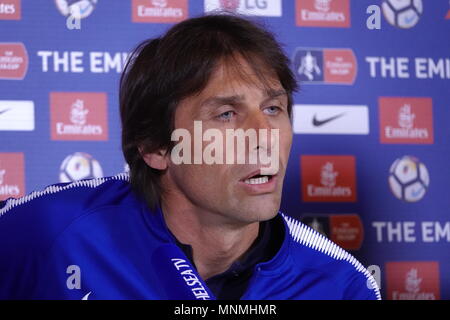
216, 246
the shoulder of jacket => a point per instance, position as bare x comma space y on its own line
71, 192
32, 222
317, 251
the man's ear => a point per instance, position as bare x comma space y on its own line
156, 160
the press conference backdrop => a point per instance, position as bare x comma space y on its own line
369, 165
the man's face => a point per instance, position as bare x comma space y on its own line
227, 193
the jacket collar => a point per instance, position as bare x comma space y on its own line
158, 227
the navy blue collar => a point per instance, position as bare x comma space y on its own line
232, 283
267, 254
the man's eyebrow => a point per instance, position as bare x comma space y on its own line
221, 100
271, 93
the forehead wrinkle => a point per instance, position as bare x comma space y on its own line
248, 68
234, 99
212, 103
237, 72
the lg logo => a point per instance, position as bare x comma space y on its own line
247, 4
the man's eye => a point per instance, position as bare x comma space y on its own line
272, 110
226, 116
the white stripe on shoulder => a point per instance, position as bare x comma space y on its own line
307, 236
91, 183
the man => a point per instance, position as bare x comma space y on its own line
186, 223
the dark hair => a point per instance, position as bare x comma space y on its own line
163, 71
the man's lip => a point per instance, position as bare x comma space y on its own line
255, 173
264, 188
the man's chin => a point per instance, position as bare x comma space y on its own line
260, 209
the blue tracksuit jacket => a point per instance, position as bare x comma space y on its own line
94, 239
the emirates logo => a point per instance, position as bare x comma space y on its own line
406, 117
328, 175
322, 5
412, 282
159, 3
78, 113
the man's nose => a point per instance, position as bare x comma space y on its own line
259, 122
